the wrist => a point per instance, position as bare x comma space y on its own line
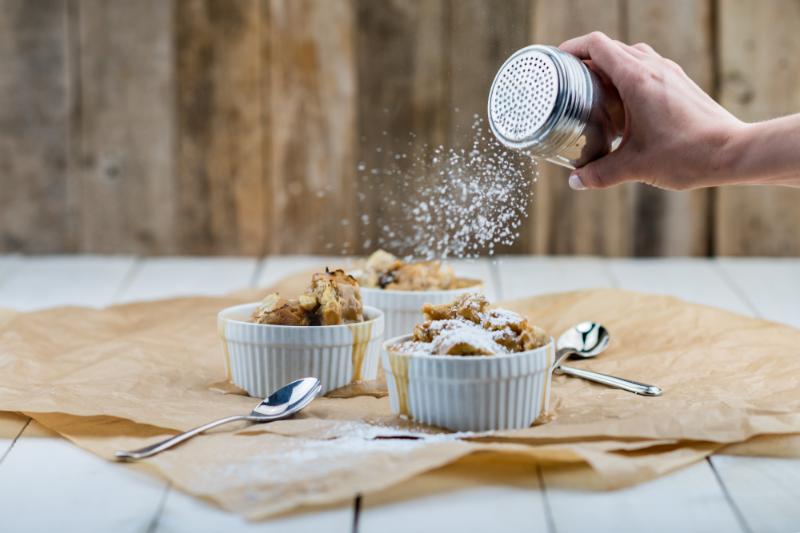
729, 146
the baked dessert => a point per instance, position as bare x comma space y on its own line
470, 367
333, 298
383, 270
469, 326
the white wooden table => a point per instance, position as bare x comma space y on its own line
47, 484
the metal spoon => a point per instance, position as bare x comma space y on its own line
282, 403
587, 340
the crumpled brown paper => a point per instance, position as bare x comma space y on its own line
125, 376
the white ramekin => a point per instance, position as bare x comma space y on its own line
260, 358
403, 309
475, 393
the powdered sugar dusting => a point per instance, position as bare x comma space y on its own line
500, 318
459, 332
316, 460
449, 334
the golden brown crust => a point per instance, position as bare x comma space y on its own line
281, 312
468, 306
423, 332
423, 276
332, 299
384, 270
339, 298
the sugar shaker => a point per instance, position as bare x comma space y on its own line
548, 102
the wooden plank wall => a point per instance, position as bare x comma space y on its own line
34, 126
237, 127
759, 65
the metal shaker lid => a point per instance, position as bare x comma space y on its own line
523, 96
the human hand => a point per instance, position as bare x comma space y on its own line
676, 136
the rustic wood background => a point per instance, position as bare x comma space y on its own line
211, 127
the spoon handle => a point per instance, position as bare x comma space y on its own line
158, 447
612, 381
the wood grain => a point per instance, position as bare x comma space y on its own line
666, 222
278, 126
402, 106
34, 127
760, 79
481, 37
124, 127
589, 222
221, 192
312, 124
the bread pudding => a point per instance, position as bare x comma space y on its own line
333, 298
383, 270
469, 326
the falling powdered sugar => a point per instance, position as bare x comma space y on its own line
453, 202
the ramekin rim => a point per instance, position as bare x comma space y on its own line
374, 311
439, 357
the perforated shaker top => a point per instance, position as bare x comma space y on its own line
523, 95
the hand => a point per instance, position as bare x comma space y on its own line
676, 136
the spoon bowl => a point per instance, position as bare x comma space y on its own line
584, 340
287, 400
587, 340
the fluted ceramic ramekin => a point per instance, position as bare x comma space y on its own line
260, 358
403, 309
469, 393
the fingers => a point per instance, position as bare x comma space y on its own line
605, 54
646, 48
609, 55
607, 171
632, 51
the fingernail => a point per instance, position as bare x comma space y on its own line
575, 183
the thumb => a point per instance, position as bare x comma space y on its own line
605, 172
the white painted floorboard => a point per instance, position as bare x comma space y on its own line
7, 263
687, 500
48, 484
772, 286
766, 490
168, 277
508, 503
184, 513
603, 511
11, 425
80, 491
694, 280
83, 493
743, 283
523, 276
48, 281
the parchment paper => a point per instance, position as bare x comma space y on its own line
125, 376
